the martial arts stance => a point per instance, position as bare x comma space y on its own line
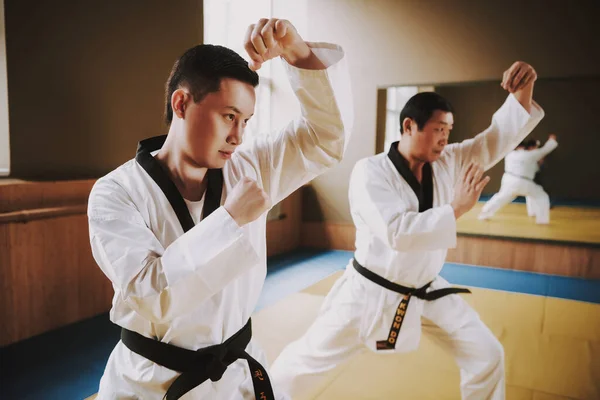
520, 169
180, 229
405, 204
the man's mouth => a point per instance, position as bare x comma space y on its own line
226, 154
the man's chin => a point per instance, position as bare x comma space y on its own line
210, 164
218, 164
434, 157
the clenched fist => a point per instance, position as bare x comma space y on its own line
246, 202
518, 76
270, 38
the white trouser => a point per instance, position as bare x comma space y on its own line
538, 202
307, 364
529, 202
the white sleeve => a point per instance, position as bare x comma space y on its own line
157, 282
511, 123
316, 140
380, 207
543, 151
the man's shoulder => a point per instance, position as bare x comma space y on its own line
120, 175
116, 185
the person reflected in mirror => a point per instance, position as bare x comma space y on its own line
520, 168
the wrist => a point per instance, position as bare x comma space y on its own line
234, 216
457, 211
297, 54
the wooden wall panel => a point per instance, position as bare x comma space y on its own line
54, 280
535, 256
328, 235
7, 316
47, 273
284, 235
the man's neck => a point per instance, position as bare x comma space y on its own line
185, 174
415, 165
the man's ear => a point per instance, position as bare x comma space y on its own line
179, 101
407, 124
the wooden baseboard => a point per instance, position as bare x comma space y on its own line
534, 256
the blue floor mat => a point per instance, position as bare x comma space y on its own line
290, 273
67, 363
523, 282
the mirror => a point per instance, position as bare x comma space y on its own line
570, 174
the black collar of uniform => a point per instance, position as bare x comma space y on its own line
214, 187
423, 190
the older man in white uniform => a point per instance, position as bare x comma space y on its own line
405, 204
520, 168
180, 229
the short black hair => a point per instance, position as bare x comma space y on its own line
421, 107
529, 143
201, 68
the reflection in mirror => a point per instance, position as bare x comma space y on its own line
568, 174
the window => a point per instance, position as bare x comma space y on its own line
396, 100
225, 23
4, 134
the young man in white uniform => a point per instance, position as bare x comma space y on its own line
520, 168
405, 204
180, 229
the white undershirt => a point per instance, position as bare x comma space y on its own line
195, 208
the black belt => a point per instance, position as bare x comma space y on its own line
420, 293
201, 365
